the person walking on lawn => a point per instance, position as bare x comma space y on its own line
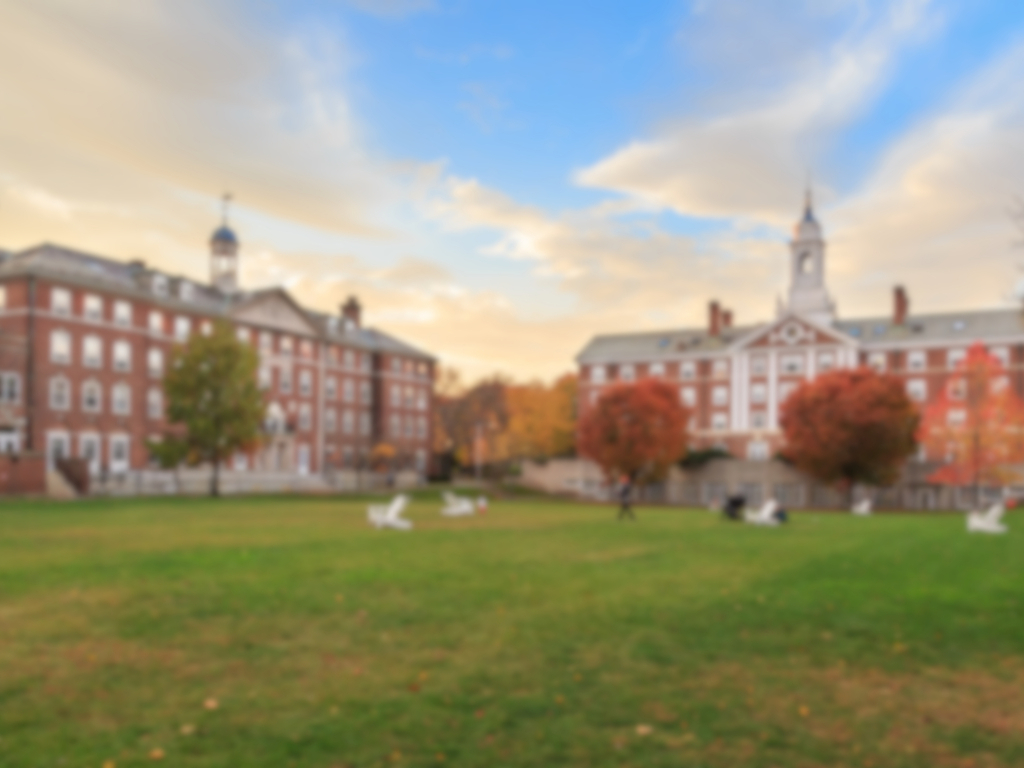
626, 499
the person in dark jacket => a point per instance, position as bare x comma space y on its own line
626, 499
734, 505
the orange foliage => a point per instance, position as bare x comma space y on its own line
850, 426
977, 423
638, 430
542, 419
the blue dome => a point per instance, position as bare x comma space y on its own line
224, 234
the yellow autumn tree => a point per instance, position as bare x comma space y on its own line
541, 418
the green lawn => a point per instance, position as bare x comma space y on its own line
285, 632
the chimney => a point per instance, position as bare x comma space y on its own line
352, 311
714, 318
726, 319
900, 305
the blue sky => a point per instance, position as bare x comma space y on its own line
500, 181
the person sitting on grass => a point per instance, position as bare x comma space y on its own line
734, 506
626, 498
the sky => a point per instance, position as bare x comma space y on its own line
499, 182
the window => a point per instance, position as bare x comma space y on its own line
410, 397
792, 365
627, 372
396, 365
60, 301
284, 380
876, 362
263, 377
421, 400
758, 365
92, 397
365, 396
364, 423
954, 357
956, 389
156, 321
305, 383
182, 328
331, 420
347, 422
92, 352
688, 396
206, 328
266, 342
348, 390
243, 335
185, 290
410, 427
60, 394
720, 369
286, 345
826, 361
917, 389
757, 450
916, 361
160, 285
1002, 354
396, 426
92, 307
331, 388
122, 313
10, 388
122, 355
119, 462
3, 297
688, 370
350, 359
60, 347
785, 390
121, 399
758, 393
720, 396
421, 427
758, 420
155, 362
305, 417
396, 396
598, 374
719, 422
306, 348
956, 417
656, 369
155, 403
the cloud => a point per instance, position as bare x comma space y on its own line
392, 8
745, 158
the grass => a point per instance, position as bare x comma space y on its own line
545, 634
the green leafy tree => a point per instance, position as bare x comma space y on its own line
213, 395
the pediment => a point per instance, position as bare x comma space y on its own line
793, 331
273, 310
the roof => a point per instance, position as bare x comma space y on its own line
225, 234
947, 328
136, 279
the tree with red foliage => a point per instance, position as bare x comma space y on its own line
976, 423
637, 430
850, 426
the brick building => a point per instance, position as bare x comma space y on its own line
85, 340
736, 377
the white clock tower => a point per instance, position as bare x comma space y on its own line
807, 293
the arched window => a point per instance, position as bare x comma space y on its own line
121, 399
92, 397
60, 393
806, 263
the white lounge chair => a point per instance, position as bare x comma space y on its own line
456, 506
862, 507
989, 521
389, 515
764, 516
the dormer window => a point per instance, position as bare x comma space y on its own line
160, 285
186, 291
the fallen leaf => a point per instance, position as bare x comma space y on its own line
109, 764
156, 754
644, 730
440, 757
211, 703
188, 729
560, 699
414, 688
479, 713
804, 711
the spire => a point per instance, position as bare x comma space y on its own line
809, 204
225, 205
